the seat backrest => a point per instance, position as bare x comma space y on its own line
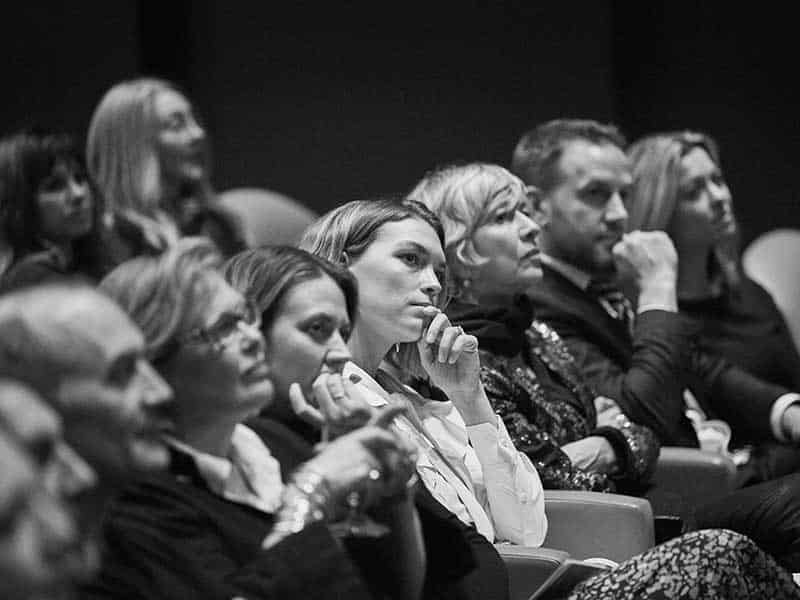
267, 217
772, 260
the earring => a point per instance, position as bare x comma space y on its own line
397, 348
465, 283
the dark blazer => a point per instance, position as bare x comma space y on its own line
647, 373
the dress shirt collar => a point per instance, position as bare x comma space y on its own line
248, 475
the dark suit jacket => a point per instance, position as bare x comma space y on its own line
647, 373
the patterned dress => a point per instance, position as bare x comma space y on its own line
712, 563
535, 387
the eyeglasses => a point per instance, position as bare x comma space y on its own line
225, 329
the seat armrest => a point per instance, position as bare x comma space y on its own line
687, 477
528, 568
591, 524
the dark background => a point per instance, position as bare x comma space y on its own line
329, 105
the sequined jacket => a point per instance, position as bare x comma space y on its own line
535, 387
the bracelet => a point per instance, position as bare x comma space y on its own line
306, 499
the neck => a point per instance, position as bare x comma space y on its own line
367, 349
693, 281
207, 433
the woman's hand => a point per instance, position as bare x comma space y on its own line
607, 411
373, 459
336, 406
450, 357
593, 454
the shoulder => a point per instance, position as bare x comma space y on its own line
32, 269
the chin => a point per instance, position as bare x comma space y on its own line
149, 454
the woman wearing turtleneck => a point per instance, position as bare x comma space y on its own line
529, 375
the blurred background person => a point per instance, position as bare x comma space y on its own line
43, 549
51, 215
85, 358
149, 154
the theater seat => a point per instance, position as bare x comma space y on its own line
685, 477
771, 260
595, 525
528, 568
267, 217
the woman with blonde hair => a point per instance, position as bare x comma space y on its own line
576, 439
679, 187
148, 152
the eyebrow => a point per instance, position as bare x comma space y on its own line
419, 248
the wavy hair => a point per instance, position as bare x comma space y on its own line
654, 196
165, 295
458, 195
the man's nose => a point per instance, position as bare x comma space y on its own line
615, 209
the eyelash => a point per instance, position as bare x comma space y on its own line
410, 259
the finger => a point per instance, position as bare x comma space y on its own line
438, 324
355, 402
449, 336
327, 405
464, 344
302, 408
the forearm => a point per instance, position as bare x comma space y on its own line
649, 387
513, 489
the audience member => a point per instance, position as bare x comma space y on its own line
51, 216
529, 376
221, 523
44, 550
148, 153
83, 355
679, 187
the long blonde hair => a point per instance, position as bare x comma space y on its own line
119, 151
656, 161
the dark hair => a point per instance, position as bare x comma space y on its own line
26, 160
265, 275
537, 153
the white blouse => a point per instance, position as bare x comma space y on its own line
481, 478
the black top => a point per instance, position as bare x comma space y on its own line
748, 329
